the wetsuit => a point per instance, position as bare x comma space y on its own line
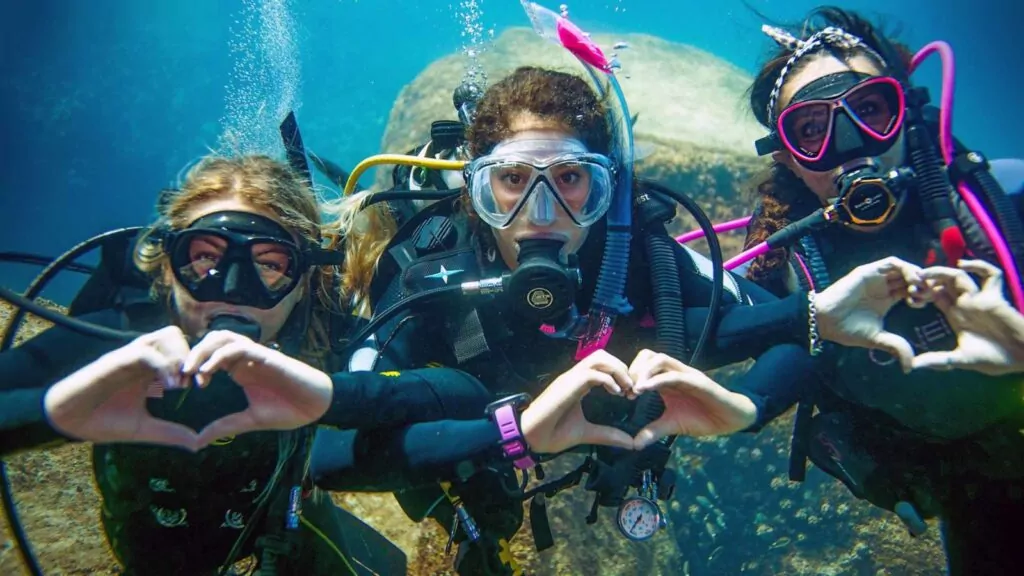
167, 511
946, 441
520, 358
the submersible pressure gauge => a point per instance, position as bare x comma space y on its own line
639, 517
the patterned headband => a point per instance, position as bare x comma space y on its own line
831, 36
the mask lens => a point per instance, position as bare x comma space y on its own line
805, 127
581, 189
274, 265
198, 257
876, 106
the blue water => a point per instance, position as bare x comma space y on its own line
106, 101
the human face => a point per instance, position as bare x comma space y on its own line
558, 224
203, 251
822, 183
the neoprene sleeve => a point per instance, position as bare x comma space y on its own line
23, 423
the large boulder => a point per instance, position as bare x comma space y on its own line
694, 131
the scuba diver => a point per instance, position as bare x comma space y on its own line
531, 226
856, 150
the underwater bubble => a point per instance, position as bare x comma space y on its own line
777, 483
785, 504
763, 530
801, 513
801, 537
265, 82
693, 510
842, 508
564, 9
755, 454
825, 508
770, 468
812, 520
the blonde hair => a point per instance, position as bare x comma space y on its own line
265, 184
363, 234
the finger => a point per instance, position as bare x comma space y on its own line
642, 358
615, 368
655, 431
210, 343
156, 431
897, 346
943, 300
946, 360
230, 425
224, 358
676, 381
991, 276
952, 278
606, 436
166, 370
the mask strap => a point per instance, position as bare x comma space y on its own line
830, 36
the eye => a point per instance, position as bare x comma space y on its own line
569, 177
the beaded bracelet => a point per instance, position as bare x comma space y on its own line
813, 338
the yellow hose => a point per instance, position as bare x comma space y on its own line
400, 159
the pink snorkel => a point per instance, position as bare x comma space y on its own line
977, 209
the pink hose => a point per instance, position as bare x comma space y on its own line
747, 255
946, 144
723, 227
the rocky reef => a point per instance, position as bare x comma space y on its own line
734, 509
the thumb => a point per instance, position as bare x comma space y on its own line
606, 436
230, 425
940, 360
897, 346
653, 432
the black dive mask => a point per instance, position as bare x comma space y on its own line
837, 119
542, 289
240, 258
868, 196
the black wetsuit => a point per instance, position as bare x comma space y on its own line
168, 511
520, 358
946, 441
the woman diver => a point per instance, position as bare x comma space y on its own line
533, 215
848, 136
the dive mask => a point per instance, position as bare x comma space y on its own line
837, 119
537, 177
240, 258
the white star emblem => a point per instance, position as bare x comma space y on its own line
444, 274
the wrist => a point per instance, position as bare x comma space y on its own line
506, 415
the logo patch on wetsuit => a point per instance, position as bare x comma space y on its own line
169, 518
925, 335
233, 520
160, 485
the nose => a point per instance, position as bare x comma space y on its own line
540, 208
233, 289
847, 136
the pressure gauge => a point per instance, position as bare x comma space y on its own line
639, 518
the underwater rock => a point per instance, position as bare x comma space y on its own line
694, 124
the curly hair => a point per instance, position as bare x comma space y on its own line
266, 184
779, 189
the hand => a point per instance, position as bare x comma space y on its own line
695, 405
106, 400
555, 422
990, 332
283, 393
852, 311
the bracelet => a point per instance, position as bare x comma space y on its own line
813, 338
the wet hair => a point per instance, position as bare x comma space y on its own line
265, 184
563, 99
779, 189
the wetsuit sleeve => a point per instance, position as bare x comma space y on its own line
401, 458
781, 377
27, 370
378, 400
23, 423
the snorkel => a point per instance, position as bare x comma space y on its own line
609, 300
929, 170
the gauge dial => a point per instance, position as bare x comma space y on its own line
639, 518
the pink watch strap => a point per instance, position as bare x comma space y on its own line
512, 441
